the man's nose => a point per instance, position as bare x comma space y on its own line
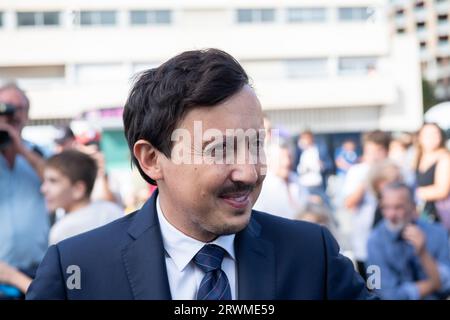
43, 188
245, 173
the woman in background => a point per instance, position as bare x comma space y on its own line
433, 171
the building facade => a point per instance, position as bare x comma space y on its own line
326, 65
429, 21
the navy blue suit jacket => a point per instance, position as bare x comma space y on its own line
276, 259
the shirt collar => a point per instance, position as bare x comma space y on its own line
182, 248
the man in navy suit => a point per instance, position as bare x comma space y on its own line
195, 128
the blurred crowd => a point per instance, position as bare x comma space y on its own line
385, 197
388, 207
47, 196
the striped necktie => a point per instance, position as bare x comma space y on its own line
215, 285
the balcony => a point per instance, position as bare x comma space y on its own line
442, 7
420, 14
422, 33
424, 54
400, 21
443, 48
443, 28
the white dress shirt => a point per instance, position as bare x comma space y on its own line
364, 213
184, 275
309, 167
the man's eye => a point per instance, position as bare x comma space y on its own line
221, 148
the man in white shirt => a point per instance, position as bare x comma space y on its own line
359, 198
310, 165
314, 165
184, 277
281, 193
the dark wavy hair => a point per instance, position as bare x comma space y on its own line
161, 97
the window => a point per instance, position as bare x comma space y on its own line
255, 15
307, 68
420, 4
400, 30
442, 61
306, 14
138, 17
26, 18
355, 13
400, 12
51, 18
1, 19
143, 17
105, 18
443, 40
423, 45
442, 18
357, 65
421, 26
47, 18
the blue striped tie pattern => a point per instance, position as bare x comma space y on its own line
215, 285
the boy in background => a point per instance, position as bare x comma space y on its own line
69, 178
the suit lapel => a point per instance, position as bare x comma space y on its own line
255, 265
144, 258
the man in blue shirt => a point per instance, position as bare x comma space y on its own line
24, 221
412, 255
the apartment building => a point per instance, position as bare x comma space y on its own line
429, 21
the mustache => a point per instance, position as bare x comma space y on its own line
237, 187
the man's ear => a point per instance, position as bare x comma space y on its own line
147, 156
79, 190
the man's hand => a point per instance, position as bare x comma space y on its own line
11, 276
353, 200
97, 155
17, 147
416, 237
16, 140
6, 272
101, 183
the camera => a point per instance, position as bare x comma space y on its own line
7, 110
